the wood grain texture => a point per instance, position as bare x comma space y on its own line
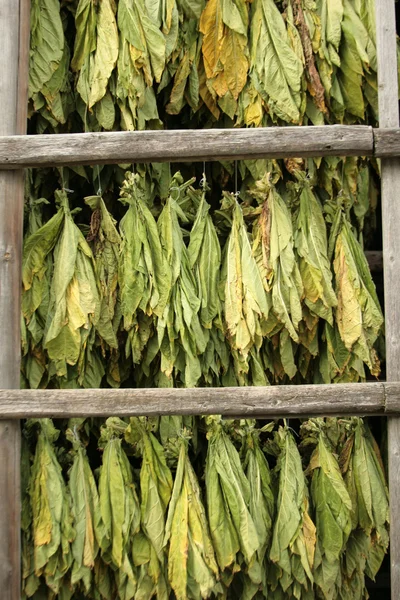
274, 401
14, 52
390, 182
387, 64
386, 142
184, 146
390, 177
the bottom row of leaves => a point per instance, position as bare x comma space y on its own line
268, 516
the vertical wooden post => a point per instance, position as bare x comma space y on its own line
14, 52
389, 117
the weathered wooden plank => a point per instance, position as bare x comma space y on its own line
147, 146
184, 146
274, 401
390, 173
14, 52
392, 399
387, 142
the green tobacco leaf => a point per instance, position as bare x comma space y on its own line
37, 248
144, 274
262, 502
246, 302
190, 554
97, 65
224, 471
74, 303
180, 333
144, 35
293, 532
358, 314
106, 243
277, 71
312, 247
85, 40
155, 484
50, 503
120, 511
85, 507
47, 43
273, 249
332, 502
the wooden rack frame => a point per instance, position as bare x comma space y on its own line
69, 149
18, 151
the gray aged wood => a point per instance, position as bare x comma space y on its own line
392, 399
184, 146
389, 118
387, 142
14, 28
274, 401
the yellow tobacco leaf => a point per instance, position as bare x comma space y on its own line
310, 535
233, 58
212, 28
205, 94
178, 552
89, 552
253, 114
219, 85
348, 312
105, 57
44, 526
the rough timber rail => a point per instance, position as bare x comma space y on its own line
381, 399
18, 151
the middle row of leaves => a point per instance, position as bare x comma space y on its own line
254, 294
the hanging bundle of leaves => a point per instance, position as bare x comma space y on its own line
35, 296
85, 508
179, 331
155, 494
75, 298
261, 507
50, 92
52, 522
310, 241
233, 530
273, 249
332, 517
292, 551
247, 304
359, 319
119, 509
192, 568
145, 277
365, 481
205, 260
277, 63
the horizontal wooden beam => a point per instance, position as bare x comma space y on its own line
184, 146
269, 402
386, 143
